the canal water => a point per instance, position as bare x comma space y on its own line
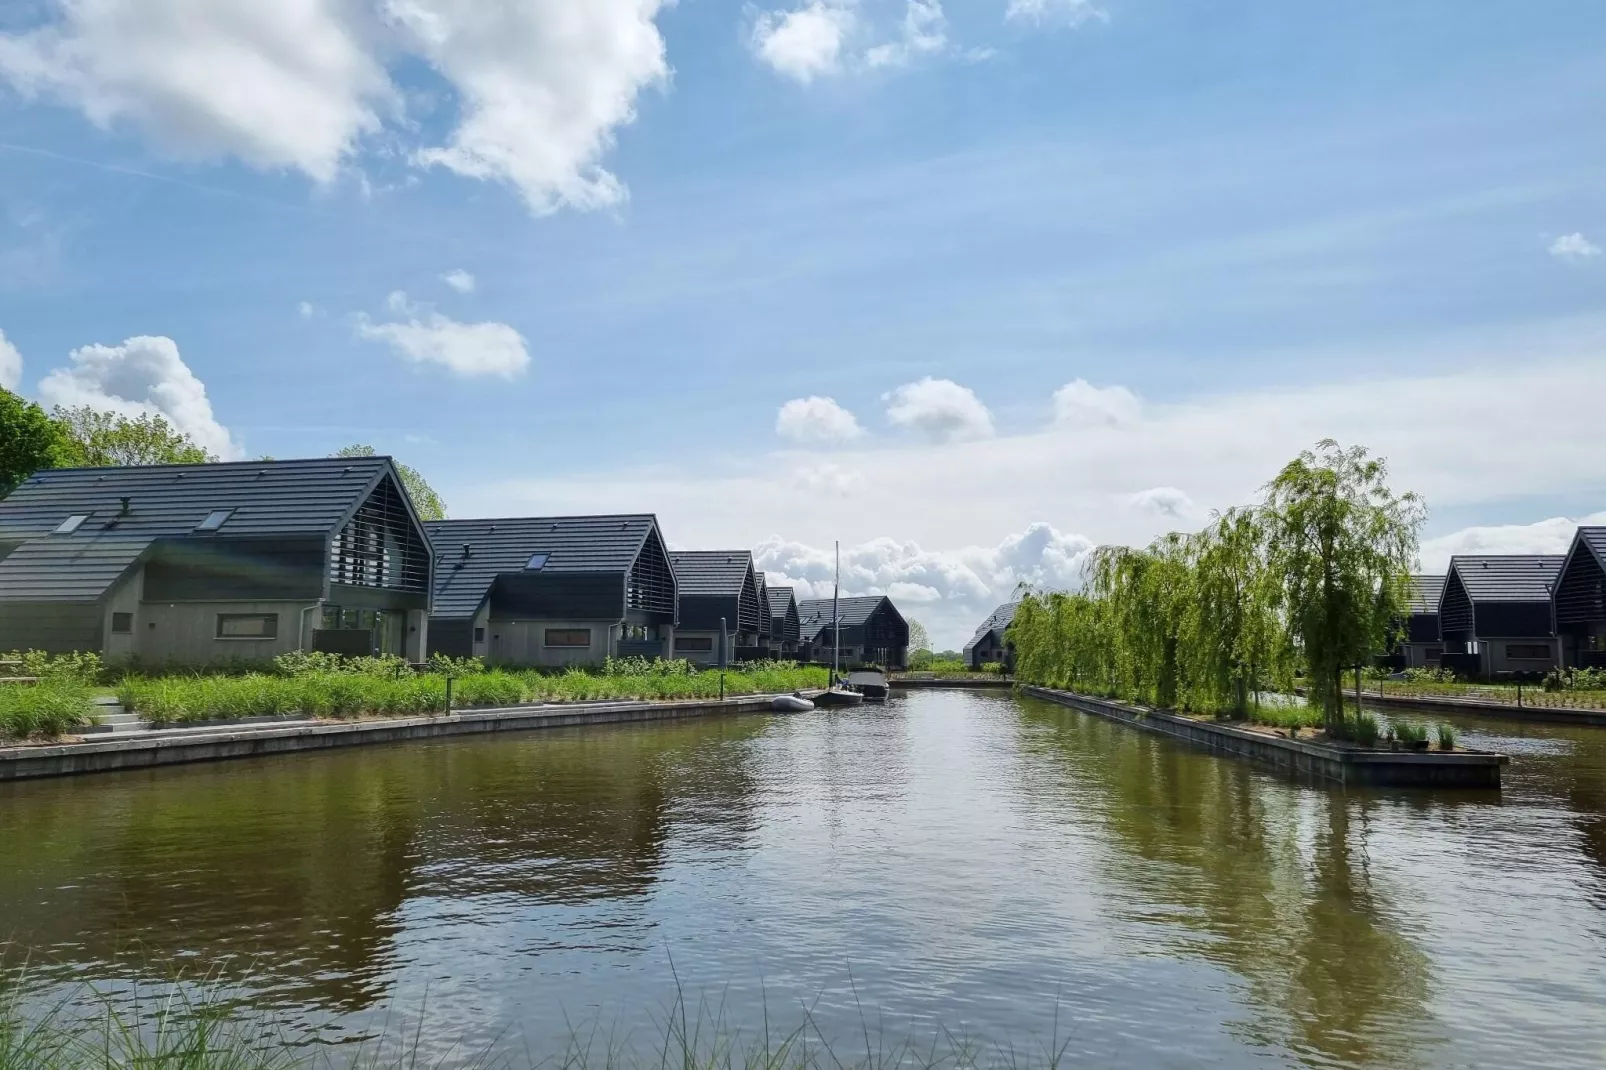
1008, 876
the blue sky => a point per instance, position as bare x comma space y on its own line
1245, 225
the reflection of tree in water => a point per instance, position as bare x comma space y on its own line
290, 874
1214, 852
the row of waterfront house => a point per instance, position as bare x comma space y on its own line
225, 563
1495, 614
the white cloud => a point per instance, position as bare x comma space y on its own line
286, 84
1553, 536
816, 420
941, 409
144, 375
806, 42
1064, 12
951, 591
305, 310
1163, 501
469, 349
924, 32
543, 85
1573, 247
830, 479
1081, 404
10, 364
459, 280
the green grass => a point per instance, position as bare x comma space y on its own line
46, 709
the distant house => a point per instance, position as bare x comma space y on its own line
989, 645
873, 631
562, 590
1421, 646
1496, 613
1581, 601
715, 585
784, 622
201, 564
760, 650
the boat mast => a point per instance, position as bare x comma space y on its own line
836, 616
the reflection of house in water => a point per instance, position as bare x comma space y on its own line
294, 874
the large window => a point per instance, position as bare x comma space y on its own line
704, 643
247, 625
1528, 651
567, 637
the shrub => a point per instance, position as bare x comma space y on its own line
83, 666
1409, 732
446, 665
48, 708
1446, 735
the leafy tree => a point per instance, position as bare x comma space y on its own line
1341, 545
99, 439
29, 441
918, 639
426, 503
1230, 635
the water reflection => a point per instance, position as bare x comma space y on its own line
1267, 880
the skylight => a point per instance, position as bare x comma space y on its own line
214, 520
72, 523
536, 563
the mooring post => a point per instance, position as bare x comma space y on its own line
448, 693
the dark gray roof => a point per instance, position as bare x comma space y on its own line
1595, 539
780, 600
1426, 593
998, 620
268, 498
711, 572
815, 613
504, 544
1508, 577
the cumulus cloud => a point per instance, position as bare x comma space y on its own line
468, 349
816, 420
10, 364
144, 375
459, 280
951, 591
1080, 403
1162, 501
924, 31
805, 42
288, 84
830, 479
1062, 12
940, 409
1552, 536
543, 85
1573, 247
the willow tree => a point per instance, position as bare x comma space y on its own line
1340, 546
1144, 592
1229, 634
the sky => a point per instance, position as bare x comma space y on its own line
968, 287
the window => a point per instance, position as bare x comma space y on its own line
568, 637
694, 642
247, 625
122, 623
1528, 651
536, 563
72, 523
214, 520
479, 635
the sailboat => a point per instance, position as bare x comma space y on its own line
837, 694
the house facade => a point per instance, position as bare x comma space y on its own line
784, 622
206, 564
1581, 601
1496, 614
1421, 644
990, 645
552, 591
873, 631
716, 585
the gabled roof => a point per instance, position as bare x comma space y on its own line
780, 599
815, 613
267, 499
504, 545
718, 573
998, 620
1508, 577
1595, 539
1426, 593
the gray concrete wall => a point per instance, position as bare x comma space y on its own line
124, 598
522, 642
1496, 660
185, 633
